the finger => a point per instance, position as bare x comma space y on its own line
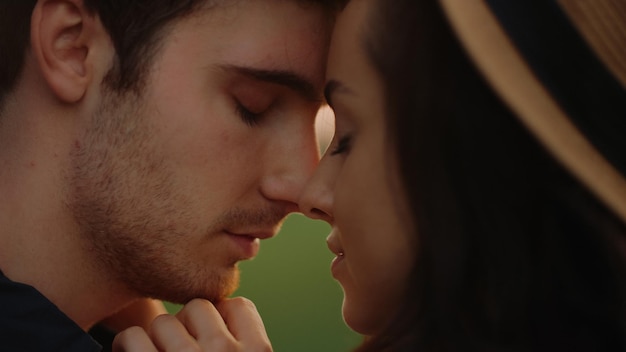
245, 323
134, 339
147, 310
204, 322
169, 334
140, 313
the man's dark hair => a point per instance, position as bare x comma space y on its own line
135, 27
14, 37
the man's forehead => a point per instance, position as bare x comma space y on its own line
288, 47
232, 8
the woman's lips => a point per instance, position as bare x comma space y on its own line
336, 265
335, 246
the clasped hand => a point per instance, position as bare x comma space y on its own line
231, 325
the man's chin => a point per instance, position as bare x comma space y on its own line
214, 289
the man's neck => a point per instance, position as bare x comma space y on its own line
40, 244
39, 249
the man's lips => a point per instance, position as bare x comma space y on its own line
247, 244
260, 234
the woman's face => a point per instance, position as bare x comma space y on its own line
356, 185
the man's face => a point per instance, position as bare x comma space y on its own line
175, 186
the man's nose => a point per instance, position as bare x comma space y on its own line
289, 170
317, 197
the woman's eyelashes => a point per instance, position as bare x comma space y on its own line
343, 146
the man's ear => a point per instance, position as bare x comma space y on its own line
66, 40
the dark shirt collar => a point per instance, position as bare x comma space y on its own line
30, 322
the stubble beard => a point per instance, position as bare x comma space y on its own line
129, 214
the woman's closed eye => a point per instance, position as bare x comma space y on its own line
343, 146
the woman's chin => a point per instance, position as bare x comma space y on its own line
358, 319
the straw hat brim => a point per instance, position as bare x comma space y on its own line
510, 76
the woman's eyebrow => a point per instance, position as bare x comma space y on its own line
332, 88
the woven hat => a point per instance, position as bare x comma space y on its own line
560, 66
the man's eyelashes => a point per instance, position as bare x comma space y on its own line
247, 116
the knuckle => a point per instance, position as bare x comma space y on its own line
127, 338
198, 303
264, 348
189, 348
243, 302
163, 319
162, 322
128, 334
185, 346
224, 344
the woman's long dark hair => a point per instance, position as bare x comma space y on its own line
513, 254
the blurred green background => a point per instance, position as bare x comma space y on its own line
290, 283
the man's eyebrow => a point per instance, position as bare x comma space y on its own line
332, 87
289, 79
